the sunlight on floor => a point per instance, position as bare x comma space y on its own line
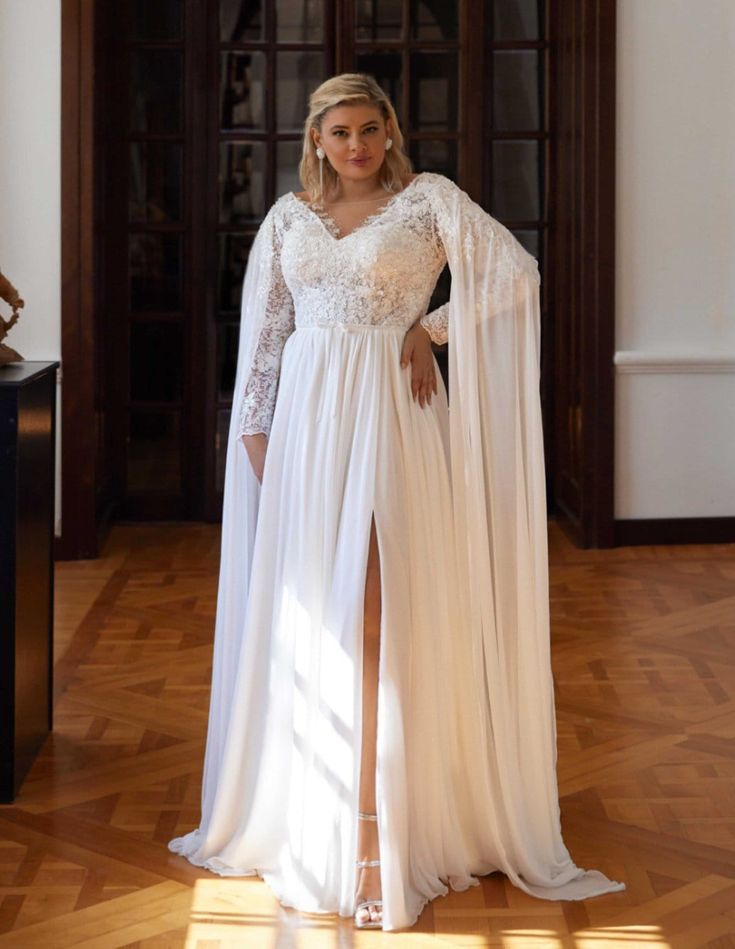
632, 936
229, 912
529, 939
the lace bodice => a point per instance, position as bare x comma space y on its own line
382, 272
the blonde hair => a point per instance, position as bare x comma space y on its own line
346, 89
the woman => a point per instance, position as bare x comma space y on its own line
382, 719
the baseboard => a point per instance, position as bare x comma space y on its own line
675, 530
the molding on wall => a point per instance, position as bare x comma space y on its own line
675, 530
635, 362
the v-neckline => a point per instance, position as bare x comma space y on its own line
333, 230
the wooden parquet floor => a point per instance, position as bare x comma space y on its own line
644, 663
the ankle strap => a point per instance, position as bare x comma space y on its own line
367, 863
363, 816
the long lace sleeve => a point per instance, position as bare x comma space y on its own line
259, 395
495, 255
436, 323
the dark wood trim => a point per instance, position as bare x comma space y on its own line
582, 243
201, 346
675, 530
79, 538
470, 170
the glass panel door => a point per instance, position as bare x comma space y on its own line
271, 56
152, 301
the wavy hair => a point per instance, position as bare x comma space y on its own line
346, 89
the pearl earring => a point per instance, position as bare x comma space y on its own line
388, 143
320, 153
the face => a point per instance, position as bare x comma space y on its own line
353, 138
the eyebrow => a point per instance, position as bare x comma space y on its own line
371, 122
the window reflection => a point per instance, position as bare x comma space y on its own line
242, 182
516, 90
155, 271
299, 21
378, 19
298, 73
240, 21
388, 71
242, 90
517, 19
531, 241
434, 19
233, 257
515, 191
436, 156
155, 90
155, 182
434, 91
161, 20
288, 157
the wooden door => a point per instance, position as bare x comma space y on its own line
199, 111
468, 84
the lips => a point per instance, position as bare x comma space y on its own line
358, 161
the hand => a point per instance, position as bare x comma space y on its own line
255, 446
417, 350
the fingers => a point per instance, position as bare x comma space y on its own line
406, 352
423, 388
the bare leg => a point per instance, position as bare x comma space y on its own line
368, 879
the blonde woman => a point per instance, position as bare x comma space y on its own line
382, 720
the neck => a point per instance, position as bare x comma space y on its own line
348, 190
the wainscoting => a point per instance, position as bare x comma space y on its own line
675, 447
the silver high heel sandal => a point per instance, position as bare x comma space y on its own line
369, 923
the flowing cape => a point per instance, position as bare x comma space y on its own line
499, 500
499, 511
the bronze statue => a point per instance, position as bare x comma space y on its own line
12, 297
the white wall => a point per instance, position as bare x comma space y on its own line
30, 195
675, 284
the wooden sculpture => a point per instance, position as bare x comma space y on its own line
11, 297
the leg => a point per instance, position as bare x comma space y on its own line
368, 885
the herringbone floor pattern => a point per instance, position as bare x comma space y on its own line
644, 662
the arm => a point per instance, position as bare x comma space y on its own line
485, 251
436, 324
258, 398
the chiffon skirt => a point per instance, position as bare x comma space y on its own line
349, 443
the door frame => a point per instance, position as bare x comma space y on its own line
582, 75
582, 88
80, 524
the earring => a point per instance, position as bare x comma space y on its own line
320, 156
388, 143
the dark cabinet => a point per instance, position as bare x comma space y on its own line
27, 439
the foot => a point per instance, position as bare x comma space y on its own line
368, 878
368, 889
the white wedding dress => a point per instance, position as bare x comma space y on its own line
466, 754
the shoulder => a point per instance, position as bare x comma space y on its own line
278, 212
436, 182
